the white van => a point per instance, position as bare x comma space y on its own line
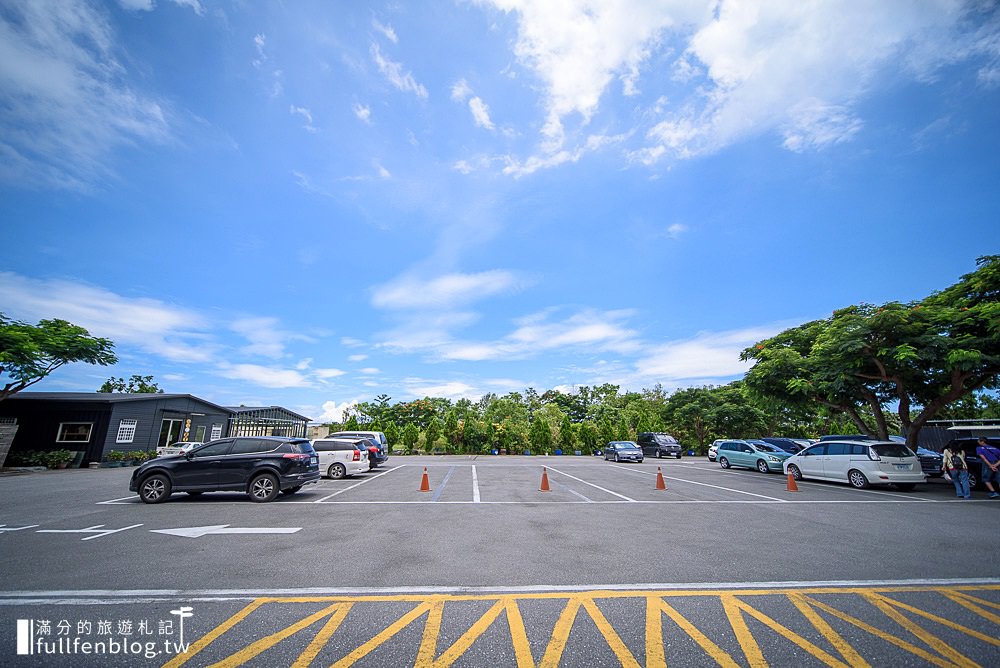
860, 463
340, 457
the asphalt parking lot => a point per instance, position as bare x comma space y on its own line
419, 574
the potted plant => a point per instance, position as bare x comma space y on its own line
136, 457
58, 459
115, 458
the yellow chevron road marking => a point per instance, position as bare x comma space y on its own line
234, 643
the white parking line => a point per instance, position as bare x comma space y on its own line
475, 485
620, 496
357, 484
703, 484
115, 501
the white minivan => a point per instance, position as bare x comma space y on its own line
340, 457
860, 463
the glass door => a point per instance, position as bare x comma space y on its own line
170, 432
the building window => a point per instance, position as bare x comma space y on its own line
74, 432
126, 431
216, 431
8, 420
199, 433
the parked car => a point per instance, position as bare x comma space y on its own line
930, 462
969, 446
623, 451
376, 457
342, 457
713, 450
658, 444
791, 446
752, 455
261, 466
860, 463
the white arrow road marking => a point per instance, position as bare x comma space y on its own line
96, 530
4, 527
198, 532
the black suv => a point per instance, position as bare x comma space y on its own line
969, 446
261, 466
658, 444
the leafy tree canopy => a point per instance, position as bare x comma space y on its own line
29, 353
135, 385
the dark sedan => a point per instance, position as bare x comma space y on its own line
260, 466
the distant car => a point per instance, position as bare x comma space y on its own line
622, 451
658, 444
789, 445
751, 454
376, 457
342, 457
859, 463
261, 466
713, 450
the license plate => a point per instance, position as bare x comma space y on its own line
314, 460
902, 466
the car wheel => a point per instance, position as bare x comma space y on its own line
640, 460
263, 488
723, 462
905, 486
659, 455
973, 480
336, 471
794, 470
762, 466
155, 489
617, 458
291, 490
858, 479
678, 455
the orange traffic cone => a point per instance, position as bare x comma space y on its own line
545, 480
659, 479
792, 487
425, 484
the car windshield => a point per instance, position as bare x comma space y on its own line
892, 450
767, 447
663, 439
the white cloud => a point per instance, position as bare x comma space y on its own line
334, 412
706, 357
326, 374
304, 113
382, 172
363, 112
676, 230
386, 30
357, 358
393, 71
460, 90
409, 292
65, 102
265, 335
480, 113
264, 376
150, 325
369, 371
150, 5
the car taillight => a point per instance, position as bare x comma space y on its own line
357, 455
872, 455
290, 455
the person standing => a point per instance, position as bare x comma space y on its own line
989, 458
954, 465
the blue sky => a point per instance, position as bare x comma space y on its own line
310, 204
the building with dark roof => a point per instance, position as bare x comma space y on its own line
95, 423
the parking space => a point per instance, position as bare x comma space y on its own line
575, 480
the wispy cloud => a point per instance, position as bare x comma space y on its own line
305, 114
363, 112
446, 291
395, 74
386, 31
66, 105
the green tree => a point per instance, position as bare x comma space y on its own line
135, 385
540, 435
410, 436
919, 356
452, 430
589, 437
473, 436
29, 353
567, 435
432, 433
392, 434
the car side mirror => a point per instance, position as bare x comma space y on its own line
189, 456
